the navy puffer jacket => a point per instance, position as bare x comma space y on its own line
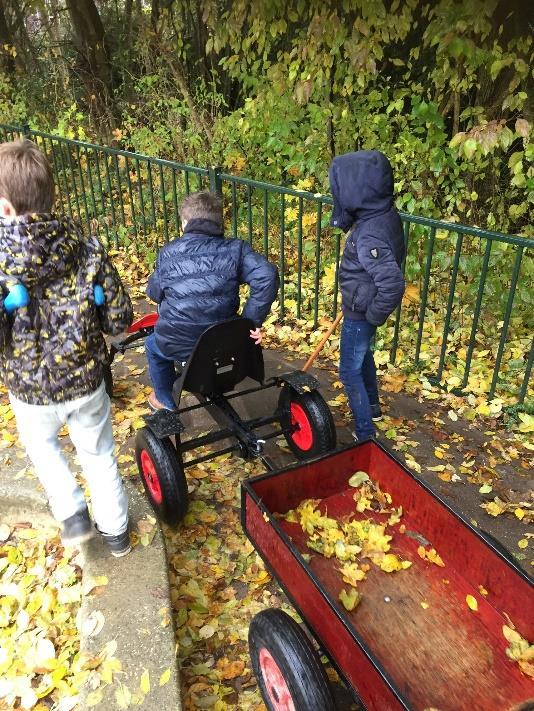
196, 284
370, 277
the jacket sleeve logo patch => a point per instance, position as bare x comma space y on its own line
374, 253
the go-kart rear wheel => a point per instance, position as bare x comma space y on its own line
310, 418
287, 667
163, 475
108, 375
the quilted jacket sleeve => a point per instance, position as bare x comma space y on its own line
379, 262
263, 279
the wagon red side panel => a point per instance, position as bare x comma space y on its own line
311, 603
427, 648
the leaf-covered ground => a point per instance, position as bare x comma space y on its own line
460, 445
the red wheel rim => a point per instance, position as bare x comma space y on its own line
277, 688
150, 476
303, 435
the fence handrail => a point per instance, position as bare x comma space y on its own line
111, 151
138, 197
406, 216
459, 228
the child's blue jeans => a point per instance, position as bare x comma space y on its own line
357, 372
162, 372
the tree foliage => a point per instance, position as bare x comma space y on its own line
274, 89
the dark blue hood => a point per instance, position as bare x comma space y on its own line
361, 184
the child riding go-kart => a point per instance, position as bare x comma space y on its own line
223, 357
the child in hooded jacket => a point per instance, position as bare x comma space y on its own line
370, 274
52, 352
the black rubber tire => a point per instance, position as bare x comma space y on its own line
170, 473
108, 379
319, 417
108, 375
296, 658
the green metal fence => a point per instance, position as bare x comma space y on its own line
470, 301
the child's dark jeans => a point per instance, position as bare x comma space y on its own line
357, 372
162, 372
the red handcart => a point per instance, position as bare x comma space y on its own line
392, 651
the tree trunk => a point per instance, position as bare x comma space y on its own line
94, 59
7, 61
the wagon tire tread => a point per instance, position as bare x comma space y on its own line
319, 417
296, 657
170, 472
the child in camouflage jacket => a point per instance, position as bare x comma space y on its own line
52, 351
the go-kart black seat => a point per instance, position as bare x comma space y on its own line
223, 356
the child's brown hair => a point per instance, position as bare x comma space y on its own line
26, 178
203, 205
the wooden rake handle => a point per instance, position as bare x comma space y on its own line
323, 340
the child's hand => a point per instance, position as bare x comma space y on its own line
256, 336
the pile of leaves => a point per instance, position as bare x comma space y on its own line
519, 650
218, 583
353, 539
41, 665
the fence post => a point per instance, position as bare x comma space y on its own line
26, 130
215, 179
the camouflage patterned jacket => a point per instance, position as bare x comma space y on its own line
53, 350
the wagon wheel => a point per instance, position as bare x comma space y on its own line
287, 667
314, 430
162, 474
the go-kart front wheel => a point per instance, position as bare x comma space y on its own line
287, 667
162, 475
311, 423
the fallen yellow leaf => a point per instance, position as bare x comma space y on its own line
472, 604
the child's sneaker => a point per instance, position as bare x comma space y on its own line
376, 412
77, 528
118, 544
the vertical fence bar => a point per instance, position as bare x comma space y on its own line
152, 201
317, 263
528, 370
249, 213
93, 196
393, 353
186, 182
140, 192
215, 179
63, 172
164, 199
282, 253
299, 257
119, 188
234, 209
506, 320
476, 314
199, 182
57, 176
424, 297
266, 223
132, 206
450, 302
73, 177
82, 188
102, 195
175, 202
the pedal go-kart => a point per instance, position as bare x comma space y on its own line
223, 357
